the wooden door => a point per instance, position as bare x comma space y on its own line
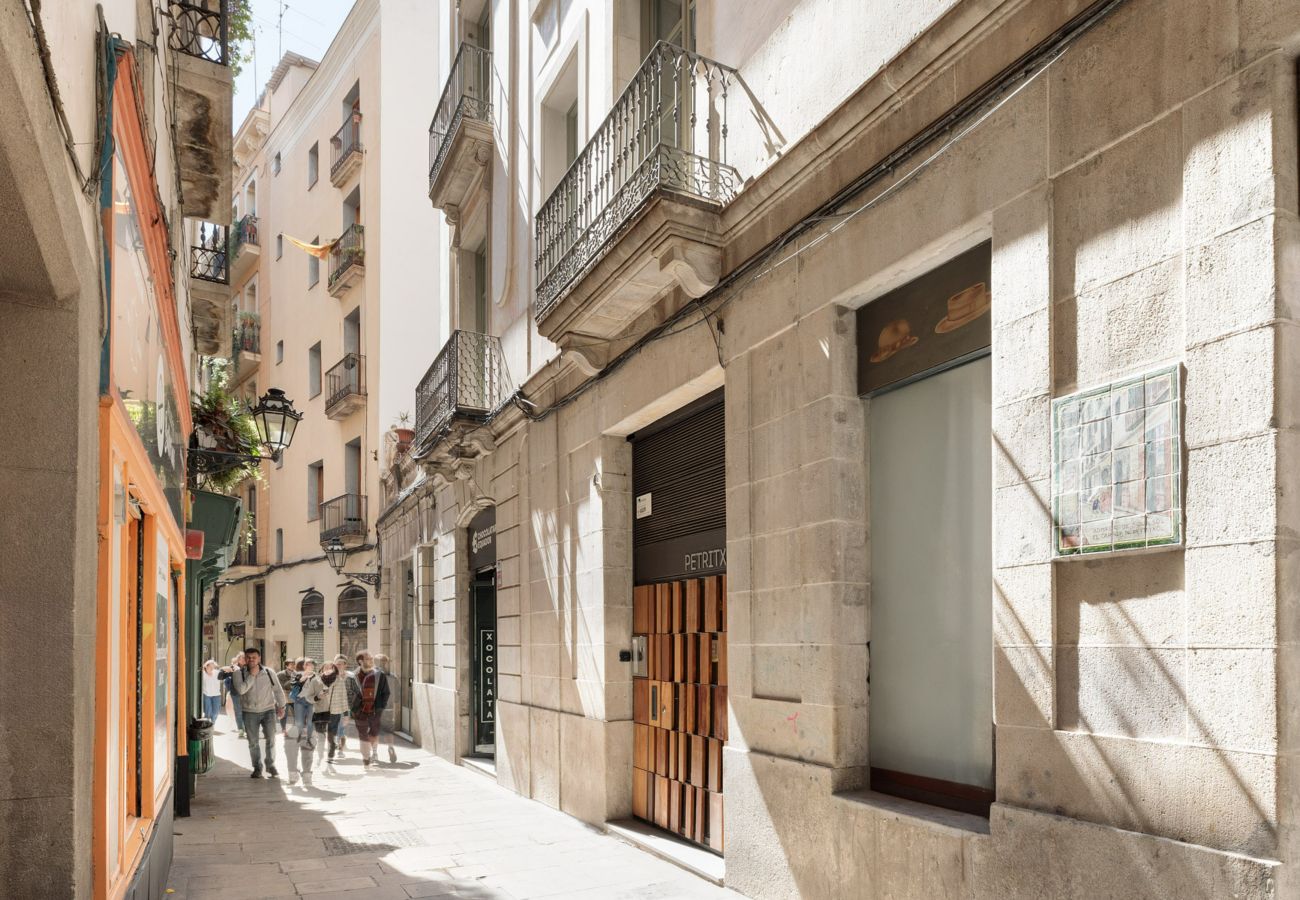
680, 707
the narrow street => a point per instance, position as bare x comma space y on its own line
419, 828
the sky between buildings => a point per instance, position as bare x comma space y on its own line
307, 27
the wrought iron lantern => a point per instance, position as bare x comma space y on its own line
337, 554
276, 421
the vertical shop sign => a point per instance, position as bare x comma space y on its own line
487, 681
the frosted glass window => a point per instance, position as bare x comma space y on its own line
931, 678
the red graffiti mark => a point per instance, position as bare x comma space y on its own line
794, 726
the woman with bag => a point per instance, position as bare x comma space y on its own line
308, 689
329, 705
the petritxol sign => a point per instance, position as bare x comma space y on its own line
690, 556
483, 540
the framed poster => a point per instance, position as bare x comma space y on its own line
928, 324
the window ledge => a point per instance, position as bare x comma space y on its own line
945, 821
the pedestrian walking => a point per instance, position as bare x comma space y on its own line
262, 700
367, 708
289, 684
329, 706
211, 691
301, 740
228, 685
341, 664
385, 665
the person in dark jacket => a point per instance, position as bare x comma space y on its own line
368, 703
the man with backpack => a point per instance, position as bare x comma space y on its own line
262, 700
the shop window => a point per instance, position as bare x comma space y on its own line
352, 622
931, 715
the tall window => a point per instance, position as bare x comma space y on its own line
279, 545
275, 164
279, 352
259, 604
313, 266
931, 709
313, 369
315, 489
313, 165
279, 246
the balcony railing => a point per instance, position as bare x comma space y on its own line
346, 141
208, 258
345, 378
466, 95
343, 517
201, 28
667, 130
348, 251
245, 232
247, 336
467, 381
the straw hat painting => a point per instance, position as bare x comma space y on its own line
964, 307
895, 336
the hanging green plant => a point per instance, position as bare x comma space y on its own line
223, 422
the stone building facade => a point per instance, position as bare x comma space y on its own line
1127, 173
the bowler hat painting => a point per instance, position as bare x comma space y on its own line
932, 322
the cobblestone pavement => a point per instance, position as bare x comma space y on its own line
417, 828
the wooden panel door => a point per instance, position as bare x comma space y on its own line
680, 707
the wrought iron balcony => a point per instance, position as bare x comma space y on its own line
208, 258
467, 383
667, 132
345, 386
344, 518
347, 260
201, 29
245, 247
461, 124
346, 150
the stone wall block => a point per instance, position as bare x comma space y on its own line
835, 675
1022, 355
1231, 388
776, 502
1231, 494
774, 378
1024, 691
1124, 600
1233, 595
1144, 59
544, 731
833, 613
828, 360
1120, 211
1023, 606
833, 428
831, 551
776, 562
832, 489
1023, 535
1232, 698
582, 768
1022, 441
786, 728
778, 672
774, 447
1022, 261
915, 860
775, 617
1232, 282
1123, 691
514, 741
1220, 799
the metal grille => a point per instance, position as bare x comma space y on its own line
373, 843
245, 232
466, 95
346, 141
348, 251
259, 605
467, 381
345, 378
208, 260
200, 29
683, 467
668, 130
344, 516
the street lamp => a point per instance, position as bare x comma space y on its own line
337, 554
276, 421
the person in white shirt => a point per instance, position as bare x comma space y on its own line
211, 691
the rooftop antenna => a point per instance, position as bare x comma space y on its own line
279, 44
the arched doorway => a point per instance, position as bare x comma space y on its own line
313, 625
352, 622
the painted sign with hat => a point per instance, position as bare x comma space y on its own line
931, 323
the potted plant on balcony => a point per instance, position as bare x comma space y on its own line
222, 422
403, 431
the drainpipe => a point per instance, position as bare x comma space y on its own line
512, 148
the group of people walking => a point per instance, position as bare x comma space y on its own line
310, 708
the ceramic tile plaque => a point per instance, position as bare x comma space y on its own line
1117, 466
